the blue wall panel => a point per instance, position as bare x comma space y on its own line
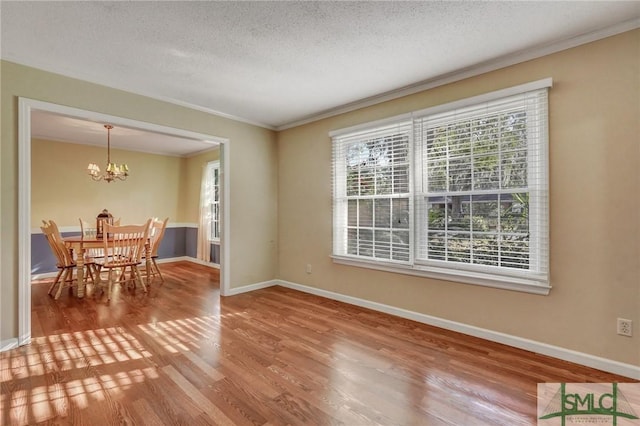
173, 243
191, 242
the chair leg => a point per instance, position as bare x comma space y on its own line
96, 274
55, 282
90, 273
155, 266
138, 277
67, 271
110, 283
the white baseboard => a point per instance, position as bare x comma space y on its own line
8, 344
44, 275
611, 366
252, 287
192, 260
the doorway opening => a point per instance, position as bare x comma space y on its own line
26, 107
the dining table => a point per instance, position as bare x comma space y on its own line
79, 244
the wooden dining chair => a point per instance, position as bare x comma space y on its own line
156, 233
125, 247
64, 259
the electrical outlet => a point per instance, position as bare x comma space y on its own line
308, 268
625, 327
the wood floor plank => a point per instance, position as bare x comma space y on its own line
181, 355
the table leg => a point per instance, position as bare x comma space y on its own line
80, 268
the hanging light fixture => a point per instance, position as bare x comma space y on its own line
113, 171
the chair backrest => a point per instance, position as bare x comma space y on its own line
156, 233
56, 243
125, 244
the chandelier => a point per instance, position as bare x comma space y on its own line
113, 171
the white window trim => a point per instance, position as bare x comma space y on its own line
449, 274
529, 283
215, 165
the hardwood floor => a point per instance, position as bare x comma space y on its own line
182, 355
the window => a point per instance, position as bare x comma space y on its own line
213, 199
458, 192
374, 172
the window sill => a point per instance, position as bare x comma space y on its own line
467, 277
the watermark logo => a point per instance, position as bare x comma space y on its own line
588, 403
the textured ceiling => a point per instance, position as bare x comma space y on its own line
281, 63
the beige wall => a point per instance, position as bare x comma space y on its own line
595, 208
252, 172
62, 190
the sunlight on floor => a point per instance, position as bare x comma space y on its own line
174, 336
38, 380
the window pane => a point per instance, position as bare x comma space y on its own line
383, 244
459, 139
400, 207
401, 245
486, 135
514, 130
514, 213
401, 180
460, 174
365, 242
352, 213
384, 180
514, 169
515, 251
459, 247
485, 250
365, 213
436, 142
352, 241
383, 213
458, 214
486, 172
357, 155
437, 175
437, 213
485, 213
436, 244
367, 182
353, 181
400, 151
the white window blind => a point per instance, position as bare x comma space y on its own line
481, 186
461, 190
372, 212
